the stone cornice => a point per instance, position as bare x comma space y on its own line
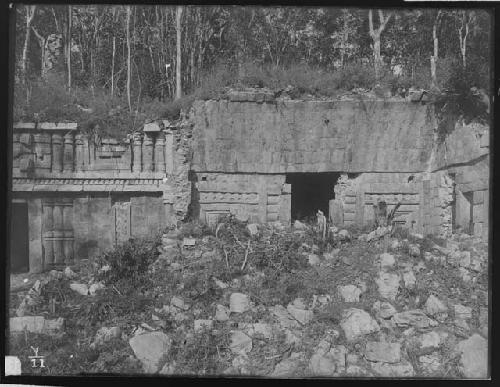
45, 126
89, 185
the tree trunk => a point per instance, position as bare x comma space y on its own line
375, 35
113, 68
68, 47
435, 55
128, 59
30, 13
178, 88
377, 60
41, 41
465, 21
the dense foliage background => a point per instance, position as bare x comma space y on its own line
114, 67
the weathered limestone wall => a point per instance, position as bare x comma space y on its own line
391, 145
47, 149
312, 136
84, 196
358, 194
465, 155
256, 198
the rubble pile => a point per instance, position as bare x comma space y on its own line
228, 302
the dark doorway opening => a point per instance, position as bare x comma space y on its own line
311, 192
19, 239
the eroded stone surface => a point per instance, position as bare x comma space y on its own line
383, 352
303, 316
388, 285
404, 370
349, 293
474, 357
149, 348
239, 303
241, 343
435, 307
284, 318
357, 322
414, 318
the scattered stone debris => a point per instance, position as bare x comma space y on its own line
394, 330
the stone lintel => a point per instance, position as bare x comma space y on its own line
45, 126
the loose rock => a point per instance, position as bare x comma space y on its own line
287, 367
409, 279
436, 308
474, 358
383, 352
80, 289
284, 318
179, 303
36, 324
384, 309
344, 235
356, 322
313, 260
95, 287
106, 334
349, 293
240, 342
463, 312
414, 251
388, 285
253, 229
393, 370
303, 316
239, 303
387, 260
413, 318
149, 348
200, 325
68, 273
222, 313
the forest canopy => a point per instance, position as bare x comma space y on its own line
116, 67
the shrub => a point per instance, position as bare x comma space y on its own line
129, 262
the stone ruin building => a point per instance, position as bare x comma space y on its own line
261, 158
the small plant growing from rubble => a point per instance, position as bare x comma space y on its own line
129, 263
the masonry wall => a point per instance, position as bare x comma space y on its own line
283, 136
255, 198
86, 195
357, 196
67, 228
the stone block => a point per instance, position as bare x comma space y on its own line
478, 213
478, 197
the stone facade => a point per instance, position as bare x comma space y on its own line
86, 195
246, 146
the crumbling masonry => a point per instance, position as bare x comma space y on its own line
238, 155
